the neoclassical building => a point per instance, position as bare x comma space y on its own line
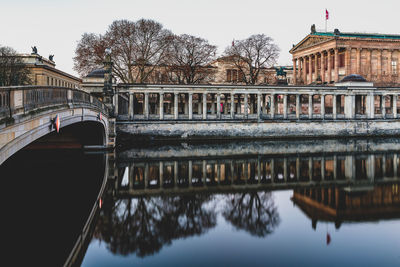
327, 57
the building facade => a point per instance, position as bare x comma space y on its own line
43, 72
327, 57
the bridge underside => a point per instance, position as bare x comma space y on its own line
73, 136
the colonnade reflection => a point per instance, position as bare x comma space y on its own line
151, 177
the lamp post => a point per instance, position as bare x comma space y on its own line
108, 91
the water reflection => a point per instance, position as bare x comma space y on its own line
254, 212
156, 201
143, 225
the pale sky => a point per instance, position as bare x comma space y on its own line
56, 26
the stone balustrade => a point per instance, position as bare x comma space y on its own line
226, 102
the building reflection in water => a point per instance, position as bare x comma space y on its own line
156, 201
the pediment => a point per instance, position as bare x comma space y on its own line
310, 40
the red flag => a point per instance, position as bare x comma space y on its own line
326, 14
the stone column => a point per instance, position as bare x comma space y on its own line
294, 71
390, 71
329, 66
394, 106
334, 104
310, 106
348, 106
358, 64
370, 106
204, 106
322, 106
232, 106
218, 105
131, 105
297, 106
323, 67
310, 70
176, 105
379, 67
316, 66
336, 78
190, 106
246, 105
226, 104
347, 61
285, 109
259, 106
161, 106
263, 104
161, 173
369, 64
383, 106
146, 105
304, 68
115, 100
199, 107
212, 104
272, 106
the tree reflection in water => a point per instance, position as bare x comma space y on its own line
145, 224
253, 212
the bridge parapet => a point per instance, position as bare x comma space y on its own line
20, 101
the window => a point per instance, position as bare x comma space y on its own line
234, 76
341, 60
394, 66
228, 75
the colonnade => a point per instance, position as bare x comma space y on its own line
215, 103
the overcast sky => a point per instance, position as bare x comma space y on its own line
55, 26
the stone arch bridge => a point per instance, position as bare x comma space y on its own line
29, 116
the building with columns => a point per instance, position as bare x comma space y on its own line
327, 57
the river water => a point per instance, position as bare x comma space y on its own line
254, 203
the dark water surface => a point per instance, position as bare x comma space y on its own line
258, 203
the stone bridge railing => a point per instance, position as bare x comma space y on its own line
229, 102
17, 101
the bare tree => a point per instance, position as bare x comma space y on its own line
137, 49
89, 53
12, 70
189, 58
251, 55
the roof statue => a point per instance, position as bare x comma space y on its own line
34, 50
313, 29
51, 57
281, 72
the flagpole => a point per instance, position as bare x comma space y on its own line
326, 21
